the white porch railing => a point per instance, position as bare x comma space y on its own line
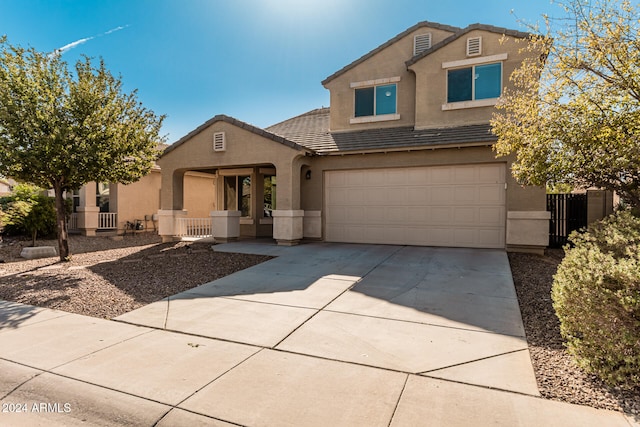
194, 227
107, 221
72, 224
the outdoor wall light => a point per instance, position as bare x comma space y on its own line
308, 174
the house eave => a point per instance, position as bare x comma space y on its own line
242, 125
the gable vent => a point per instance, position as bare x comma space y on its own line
421, 42
474, 46
219, 141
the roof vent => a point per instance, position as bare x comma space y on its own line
421, 42
219, 142
474, 46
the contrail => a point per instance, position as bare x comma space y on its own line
71, 45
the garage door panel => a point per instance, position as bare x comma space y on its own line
396, 195
418, 177
490, 216
464, 194
337, 196
465, 215
490, 174
354, 214
374, 196
440, 175
397, 177
490, 194
465, 175
418, 196
355, 179
335, 179
441, 195
434, 206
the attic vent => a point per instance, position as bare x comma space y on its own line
474, 46
219, 141
421, 42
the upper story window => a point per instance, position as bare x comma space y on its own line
375, 100
474, 83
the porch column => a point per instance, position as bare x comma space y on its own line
226, 225
288, 226
88, 211
288, 219
528, 231
167, 223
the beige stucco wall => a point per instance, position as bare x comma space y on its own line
389, 62
422, 89
431, 79
199, 194
243, 149
134, 201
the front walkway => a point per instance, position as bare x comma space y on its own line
324, 334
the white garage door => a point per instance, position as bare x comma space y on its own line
460, 206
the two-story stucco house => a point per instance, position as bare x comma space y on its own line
402, 156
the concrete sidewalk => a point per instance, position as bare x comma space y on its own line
324, 334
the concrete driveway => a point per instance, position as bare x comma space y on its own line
324, 334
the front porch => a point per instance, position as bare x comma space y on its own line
257, 179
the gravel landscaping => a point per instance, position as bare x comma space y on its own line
558, 376
107, 277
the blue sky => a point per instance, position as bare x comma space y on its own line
260, 61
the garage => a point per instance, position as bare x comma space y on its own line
456, 205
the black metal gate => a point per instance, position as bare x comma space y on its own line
568, 213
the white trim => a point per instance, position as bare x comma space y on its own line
374, 119
376, 82
475, 61
470, 104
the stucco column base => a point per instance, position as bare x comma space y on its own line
88, 220
288, 226
528, 231
312, 225
226, 225
167, 223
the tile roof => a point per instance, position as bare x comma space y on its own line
312, 131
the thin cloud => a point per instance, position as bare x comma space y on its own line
76, 43
113, 30
71, 45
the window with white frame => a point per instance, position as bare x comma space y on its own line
474, 83
376, 100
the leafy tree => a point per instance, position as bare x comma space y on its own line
573, 115
60, 129
28, 210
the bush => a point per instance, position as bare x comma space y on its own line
27, 211
596, 295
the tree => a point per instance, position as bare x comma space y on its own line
573, 114
28, 210
60, 129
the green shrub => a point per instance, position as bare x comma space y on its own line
596, 295
27, 211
